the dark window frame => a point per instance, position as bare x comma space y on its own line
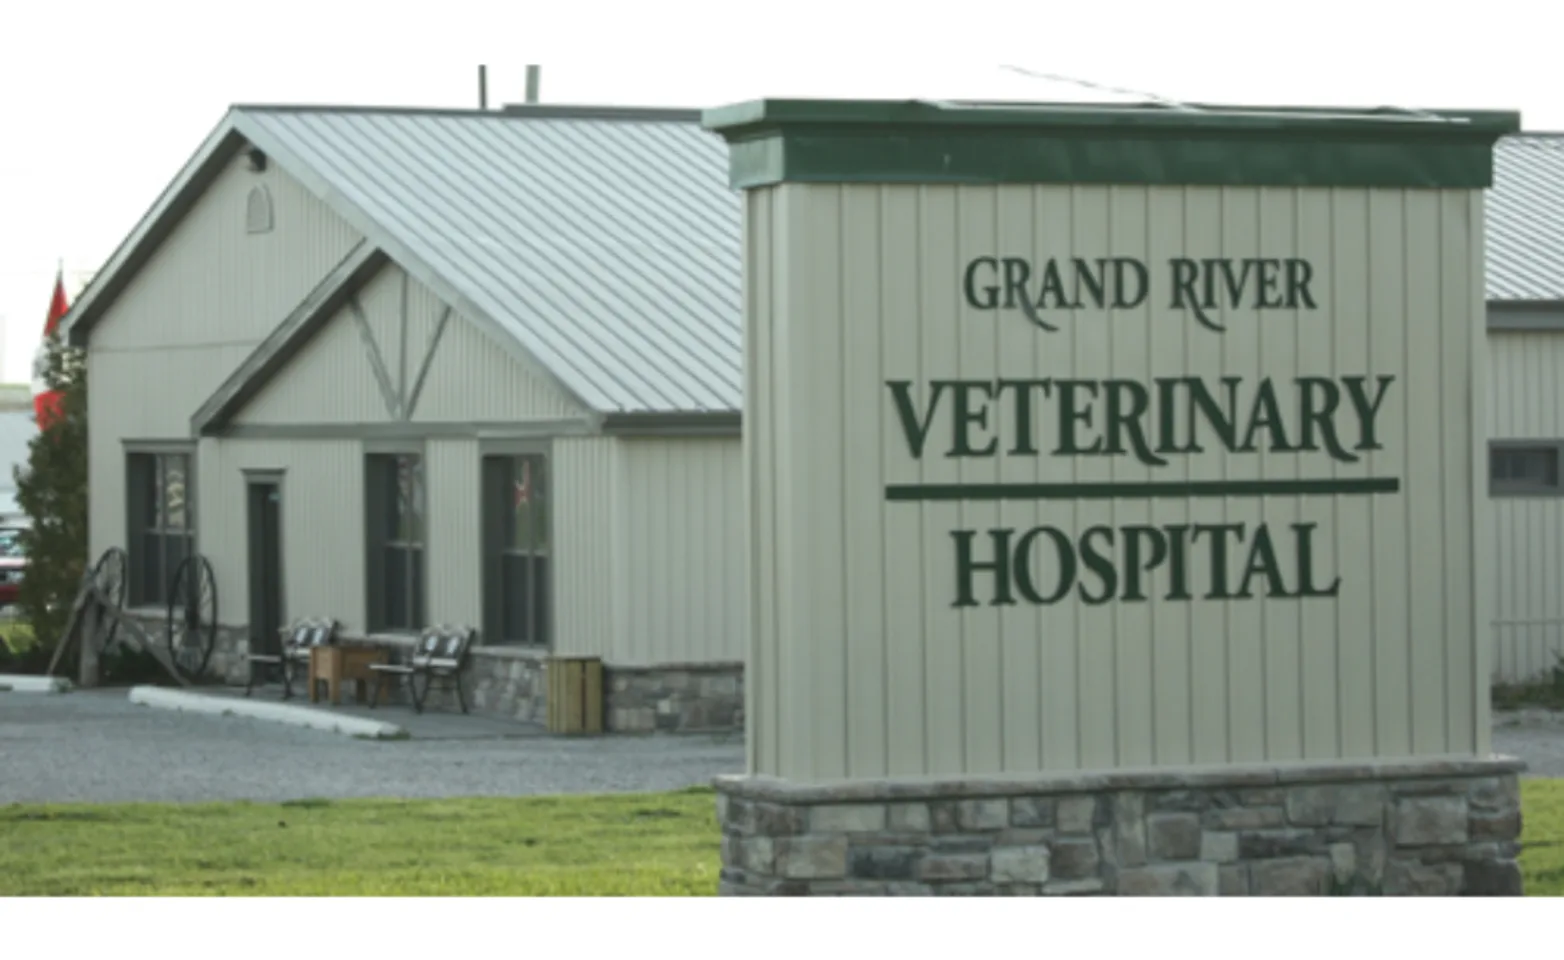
396, 528
155, 544
1501, 484
519, 574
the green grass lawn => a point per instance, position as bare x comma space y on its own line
16, 635
663, 844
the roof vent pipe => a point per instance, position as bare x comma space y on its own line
532, 83
483, 87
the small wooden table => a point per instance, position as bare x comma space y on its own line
335, 663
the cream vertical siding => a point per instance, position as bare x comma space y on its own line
682, 563
208, 295
475, 378
454, 552
648, 550
1526, 580
322, 524
861, 664
589, 562
469, 378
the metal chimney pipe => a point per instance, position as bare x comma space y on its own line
532, 83
483, 87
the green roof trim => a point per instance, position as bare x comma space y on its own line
856, 141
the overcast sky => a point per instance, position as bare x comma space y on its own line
100, 105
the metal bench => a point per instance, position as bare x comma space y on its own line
297, 642
440, 654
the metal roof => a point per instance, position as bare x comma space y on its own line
606, 243
1525, 213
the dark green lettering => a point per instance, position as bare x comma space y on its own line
1268, 414
1100, 564
916, 430
1133, 565
1225, 425
1096, 285
1017, 273
1366, 409
1142, 283
1069, 415
1053, 283
1063, 549
1320, 418
1178, 574
966, 566
1023, 425
1167, 423
1235, 285
968, 416
1185, 273
1124, 417
1262, 560
1217, 533
1299, 273
1302, 532
1269, 295
991, 298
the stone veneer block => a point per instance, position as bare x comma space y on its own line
1432, 829
511, 683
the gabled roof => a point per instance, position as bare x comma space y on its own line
1525, 230
603, 241
604, 244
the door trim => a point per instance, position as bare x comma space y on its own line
265, 478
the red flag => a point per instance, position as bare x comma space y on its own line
47, 402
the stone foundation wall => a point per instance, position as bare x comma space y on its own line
674, 698
227, 664
1430, 829
513, 683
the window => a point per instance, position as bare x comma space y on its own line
394, 497
516, 549
162, 523
1520, 468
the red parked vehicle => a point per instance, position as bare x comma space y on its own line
13, 564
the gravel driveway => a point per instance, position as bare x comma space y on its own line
97, 746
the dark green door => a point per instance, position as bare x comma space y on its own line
266, 614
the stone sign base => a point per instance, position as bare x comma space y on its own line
1429, 828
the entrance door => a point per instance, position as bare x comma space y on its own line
266, 613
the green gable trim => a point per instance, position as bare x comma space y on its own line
812, 141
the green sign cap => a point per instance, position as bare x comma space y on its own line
917, 141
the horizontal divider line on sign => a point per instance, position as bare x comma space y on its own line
1130, 490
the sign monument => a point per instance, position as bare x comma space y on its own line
1113, 503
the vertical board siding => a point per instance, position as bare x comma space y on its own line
587, 541
468, 355
863, 666
683, 553
322, 524
1526, 581
332, 380
191, 315
454, 550
212, 282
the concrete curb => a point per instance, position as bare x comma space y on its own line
168, 699
22, 683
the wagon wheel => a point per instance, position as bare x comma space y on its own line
192, 616
108, 581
